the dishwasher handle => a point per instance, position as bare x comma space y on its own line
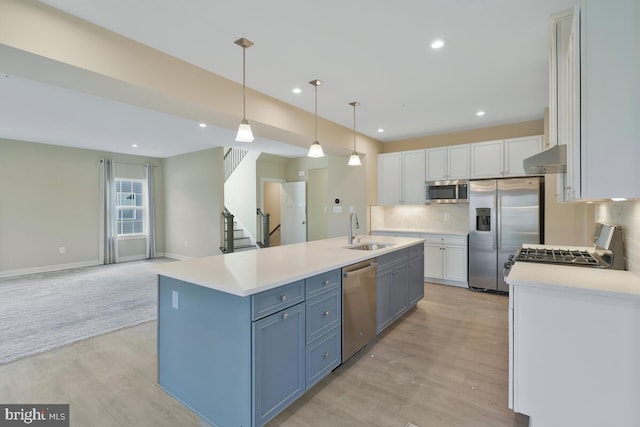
371, 266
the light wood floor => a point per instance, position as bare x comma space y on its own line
444, 364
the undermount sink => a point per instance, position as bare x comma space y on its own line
370, 246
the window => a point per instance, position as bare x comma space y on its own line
129, 207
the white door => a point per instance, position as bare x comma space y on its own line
294, 212
487, 160
518, 149
455, 263
433, 261
390, 179
436, 164
413, 177
458, 162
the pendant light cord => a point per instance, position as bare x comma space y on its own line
316, 112
354, 127
244, 86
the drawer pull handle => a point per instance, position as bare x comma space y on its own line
326, 282
325, 355
283, 298
325, 314
285, 316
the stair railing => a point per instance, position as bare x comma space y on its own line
227, 240
263, 221
232, 159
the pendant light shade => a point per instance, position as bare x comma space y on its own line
244, 130
316, 149
354, 159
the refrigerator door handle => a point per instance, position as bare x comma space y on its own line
498, 234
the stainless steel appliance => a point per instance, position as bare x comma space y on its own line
503, 214
358, 306
608, 252
451, 191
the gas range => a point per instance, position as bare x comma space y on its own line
608, 252
557, 256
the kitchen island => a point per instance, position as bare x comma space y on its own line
574, 345
242, 335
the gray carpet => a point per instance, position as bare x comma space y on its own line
40, 312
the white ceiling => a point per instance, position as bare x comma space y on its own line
375, 52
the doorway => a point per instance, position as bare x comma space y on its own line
272, 205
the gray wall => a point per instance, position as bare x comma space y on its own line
49, 198
193, 203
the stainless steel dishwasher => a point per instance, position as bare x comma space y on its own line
358, 306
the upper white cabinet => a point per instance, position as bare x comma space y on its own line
518, 149
487, 159
448, 162
597, 99
401, 178
502, 158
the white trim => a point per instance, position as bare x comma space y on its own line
178, 257
131, 258
446, 282
57, 267
131, 236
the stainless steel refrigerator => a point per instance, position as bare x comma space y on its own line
503, 214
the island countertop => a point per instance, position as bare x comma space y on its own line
249, 272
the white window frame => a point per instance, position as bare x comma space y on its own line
141, 209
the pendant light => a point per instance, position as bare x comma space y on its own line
244, 130
316, 149
354, 159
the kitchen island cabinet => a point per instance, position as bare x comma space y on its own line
241, 336
574, 345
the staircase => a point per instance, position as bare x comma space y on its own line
240, 241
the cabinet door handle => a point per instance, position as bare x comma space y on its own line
325, 314
326, 282
285, 316
325, 355
283, 298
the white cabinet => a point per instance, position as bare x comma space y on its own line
445, 259
573, 356
401, 178
487, 159
602, 101
448, 162
389, 178
503, 158
518, 149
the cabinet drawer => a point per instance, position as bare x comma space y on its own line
323, 355
416, 250
323, 313
392, 258
322, 282
445, 239
268, 302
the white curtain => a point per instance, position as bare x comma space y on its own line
108, 190
151, 216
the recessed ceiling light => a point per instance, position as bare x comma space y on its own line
618, 199
480, 113
134, 145
437, 44
296, 90
203, 125
380, 130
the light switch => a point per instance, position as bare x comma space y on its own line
337, 209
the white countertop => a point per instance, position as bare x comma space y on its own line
602, 281
422, 231
249, 272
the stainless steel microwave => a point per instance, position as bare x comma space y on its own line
451, 191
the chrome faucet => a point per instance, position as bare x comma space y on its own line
350, 235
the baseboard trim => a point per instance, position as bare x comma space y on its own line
447, 282
132, 258
178, 257
57, 267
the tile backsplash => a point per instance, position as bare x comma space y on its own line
437, 216
626, 214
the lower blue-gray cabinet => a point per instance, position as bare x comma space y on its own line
239, 361
278, 361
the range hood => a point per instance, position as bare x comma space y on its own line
553, 160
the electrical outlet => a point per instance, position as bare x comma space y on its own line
447, 217
62, 250
174, 299
351, 209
